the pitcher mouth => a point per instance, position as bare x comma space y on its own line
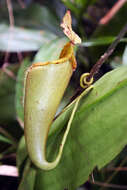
67, 54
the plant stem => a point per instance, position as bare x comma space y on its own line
108, 52
112, 12
10, 11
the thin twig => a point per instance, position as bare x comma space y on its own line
6, 134
117, 169
20, 57
7, 54
7, 71
109, 185
10, 11
92, 176
11, 19
112, 12
105, 56
115, 172
6, 57
7, 156
22, 4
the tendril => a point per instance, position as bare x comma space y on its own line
83, 80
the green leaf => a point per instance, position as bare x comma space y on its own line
20, 90
27, 173
21, 154
33, 16
18, 39
78, 6
28, 178
97, 135
105, 40
7, 93
5, 140
37, 16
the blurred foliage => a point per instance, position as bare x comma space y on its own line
97, 140
78, 6
22, 40
7, 93
32, 16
